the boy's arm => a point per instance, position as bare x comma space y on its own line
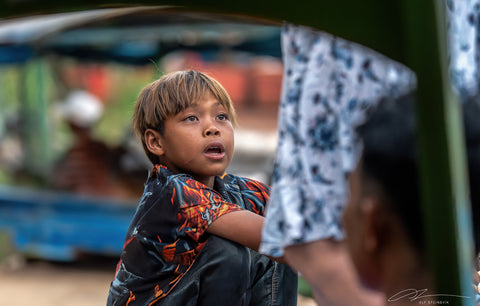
243, 227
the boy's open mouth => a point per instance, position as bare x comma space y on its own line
216, 150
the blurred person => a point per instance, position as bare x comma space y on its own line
90, 166
85, 166
383, 217
328, 86
195, 234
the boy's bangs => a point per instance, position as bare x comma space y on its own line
220, 94
192, 88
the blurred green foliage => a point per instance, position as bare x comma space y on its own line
126, 82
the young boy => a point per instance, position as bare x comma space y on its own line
194, 237
383, 218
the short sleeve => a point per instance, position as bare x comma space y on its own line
250, 194
199, 206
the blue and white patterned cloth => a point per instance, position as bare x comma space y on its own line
463, 22
329, 85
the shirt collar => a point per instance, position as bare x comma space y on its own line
160, 170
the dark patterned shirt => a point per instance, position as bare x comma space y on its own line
169, 230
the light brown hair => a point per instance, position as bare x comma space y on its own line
171, 94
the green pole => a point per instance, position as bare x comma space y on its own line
4, 245
443, 179
34, 112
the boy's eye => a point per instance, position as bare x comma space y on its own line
222, 117
190, 118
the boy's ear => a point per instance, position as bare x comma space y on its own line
153, 141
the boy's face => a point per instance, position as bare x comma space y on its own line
198, 141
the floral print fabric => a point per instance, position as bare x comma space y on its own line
328, 87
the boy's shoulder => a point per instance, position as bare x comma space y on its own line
165, 185
243, 182
165, 176
247, 193
162, 175
162, 180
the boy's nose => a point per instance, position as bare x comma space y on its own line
212, 130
